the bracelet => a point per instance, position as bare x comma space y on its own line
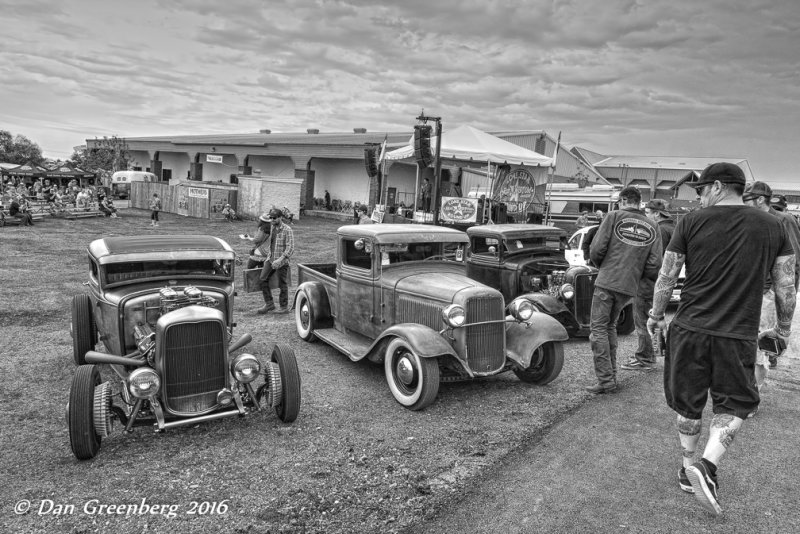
655, 317
783, 332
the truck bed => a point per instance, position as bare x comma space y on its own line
313, 271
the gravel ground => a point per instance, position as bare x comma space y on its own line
354, 461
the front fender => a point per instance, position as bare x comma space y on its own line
522, 339
425, 341
553, 307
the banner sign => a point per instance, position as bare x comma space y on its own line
198, 192
213, 158
459, 209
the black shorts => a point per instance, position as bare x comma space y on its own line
696, 363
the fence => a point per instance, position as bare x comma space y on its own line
196, 199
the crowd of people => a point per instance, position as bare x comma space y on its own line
742, 258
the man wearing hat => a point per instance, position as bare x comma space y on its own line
759, 195
778, 202
275, 251
363, 218
729, 249
643, 359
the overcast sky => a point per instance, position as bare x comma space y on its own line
625, 77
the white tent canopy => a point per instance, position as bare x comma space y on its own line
466, 143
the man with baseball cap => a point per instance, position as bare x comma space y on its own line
759, 195
729, 249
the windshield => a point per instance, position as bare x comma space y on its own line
395, 253
140, 270
525, 244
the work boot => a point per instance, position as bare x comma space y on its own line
599, 389
268, 307
282, 309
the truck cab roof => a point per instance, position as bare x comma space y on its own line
403, 233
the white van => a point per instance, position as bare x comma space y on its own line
121, 180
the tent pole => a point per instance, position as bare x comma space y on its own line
416, 192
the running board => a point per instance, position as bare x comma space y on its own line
354, 346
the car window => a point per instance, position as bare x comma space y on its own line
138, 270
394, 253
575, 242
527, 243
356, 256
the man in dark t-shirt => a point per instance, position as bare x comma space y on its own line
728, 249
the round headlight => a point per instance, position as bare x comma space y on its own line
567, 291
454, 316
245, 368
144, 382
521, 309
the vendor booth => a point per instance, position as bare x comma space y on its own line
486, 177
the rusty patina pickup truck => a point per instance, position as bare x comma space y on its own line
398, 295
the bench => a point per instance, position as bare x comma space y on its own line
7, 220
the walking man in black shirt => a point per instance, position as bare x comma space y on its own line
729, 249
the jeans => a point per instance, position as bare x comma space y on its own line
283, 283
641, 305
606, 307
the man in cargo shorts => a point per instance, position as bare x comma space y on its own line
729, 249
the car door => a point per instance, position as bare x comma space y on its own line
574, 252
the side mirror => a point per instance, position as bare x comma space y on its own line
359, 244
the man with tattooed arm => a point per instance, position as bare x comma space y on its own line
729, 249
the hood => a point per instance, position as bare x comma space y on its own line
539, 264
439, 281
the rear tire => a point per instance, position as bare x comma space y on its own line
304, 317
84, 330
83, 438
545, 366
289, 406
625, 324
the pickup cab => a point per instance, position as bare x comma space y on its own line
398, 295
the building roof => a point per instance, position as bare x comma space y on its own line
587, 155
666, 162
261, 139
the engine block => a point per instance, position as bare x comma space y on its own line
172, 300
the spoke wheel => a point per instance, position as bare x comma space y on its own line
288, 406
83, 437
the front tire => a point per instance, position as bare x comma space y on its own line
545, 366
625, 324
84, 330
413, 381
83, 437
289, 406
303, 317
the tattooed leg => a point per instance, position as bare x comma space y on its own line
720, 436
689, 434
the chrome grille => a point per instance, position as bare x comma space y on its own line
415, 310
485, 342
584, 289
193, 366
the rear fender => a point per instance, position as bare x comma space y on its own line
318, 303
423, 340
522, 339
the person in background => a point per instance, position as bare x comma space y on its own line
729, 250
759, 195
327, 200
644, 359
363, 218
229, 213
583, 220
19, 209
425, 195
626, 248
155, 208
276, 251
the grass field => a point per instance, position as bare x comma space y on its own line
354, 461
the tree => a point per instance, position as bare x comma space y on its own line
109, 154
19, 149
